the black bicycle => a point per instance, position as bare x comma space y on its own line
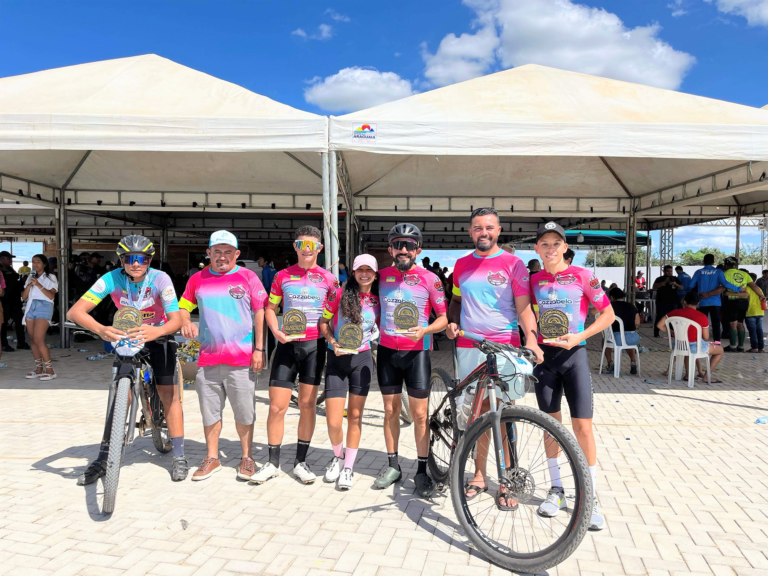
502, 518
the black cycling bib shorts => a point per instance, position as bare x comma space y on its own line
397, 367
564, 372
162, 359
305, 358
352, 372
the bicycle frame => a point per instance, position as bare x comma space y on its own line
131, 367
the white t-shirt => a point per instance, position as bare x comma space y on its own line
47, 281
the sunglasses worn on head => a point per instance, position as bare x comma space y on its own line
140, 259
407, 244
306, 245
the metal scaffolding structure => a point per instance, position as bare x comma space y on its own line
667, 247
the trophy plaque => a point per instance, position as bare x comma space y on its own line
406, 317
350, 338
553, 324
295, 324
127, 318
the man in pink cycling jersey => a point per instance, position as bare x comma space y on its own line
407, 293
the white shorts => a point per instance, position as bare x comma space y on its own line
471, 358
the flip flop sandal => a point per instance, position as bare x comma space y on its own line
478, 490
713, 381
506, 498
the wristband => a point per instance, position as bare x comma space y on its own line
259, 349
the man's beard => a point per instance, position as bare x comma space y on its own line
404, 265
485, 244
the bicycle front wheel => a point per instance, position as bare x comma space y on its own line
116, 444
518, 537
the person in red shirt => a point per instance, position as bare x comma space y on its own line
640, 281
690, 311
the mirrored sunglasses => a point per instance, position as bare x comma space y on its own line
306, 245
140, 259
407, 244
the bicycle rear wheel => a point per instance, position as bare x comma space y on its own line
443, 430
116, 444
521, 539
405, 407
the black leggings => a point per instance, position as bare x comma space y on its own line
397, 367
564, 372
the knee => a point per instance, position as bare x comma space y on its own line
275, 410
582, 428
419, 413
354, 418
307, 404
391, 410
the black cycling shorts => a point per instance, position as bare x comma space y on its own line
162, 358
352, 372
305, 358
397, 367
735, 310
564, 371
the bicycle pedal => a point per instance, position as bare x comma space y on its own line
440, 487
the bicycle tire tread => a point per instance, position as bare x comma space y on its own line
116, 445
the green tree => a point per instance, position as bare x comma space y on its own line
617, 257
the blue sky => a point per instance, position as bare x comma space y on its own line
333, 57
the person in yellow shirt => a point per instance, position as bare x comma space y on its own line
25, 269
754, 320
737, 303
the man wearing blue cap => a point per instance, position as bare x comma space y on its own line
231, 300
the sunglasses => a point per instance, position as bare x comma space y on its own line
409, 245
306, 245
140, 259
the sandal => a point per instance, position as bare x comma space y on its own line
45, 376
35, 373
506, 498
477, 488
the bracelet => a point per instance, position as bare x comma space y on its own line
259, 349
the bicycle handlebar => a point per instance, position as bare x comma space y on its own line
489, 346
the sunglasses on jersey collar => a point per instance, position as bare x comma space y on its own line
306, 245
409, 245
140, 259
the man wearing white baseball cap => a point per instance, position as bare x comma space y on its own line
231, 335
349, 318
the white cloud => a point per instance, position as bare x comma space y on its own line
561, 34
677, 8
755, 11
324, 32
300, 33
355, 89
336, 16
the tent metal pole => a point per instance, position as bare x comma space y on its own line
62, 241
326, 212
630, 256
649, 256
334, 201
164, 244
738, 232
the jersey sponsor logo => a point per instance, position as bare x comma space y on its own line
598, 297
525, 279
237, 292
332, 296
440, 300
295, 277
145, 304
543, 282
168, 294
147, 315
566, 279
391, 279
411, 279
303, 295
336, 284
371, 301
738, 278
100, 286
496, 278
594, 282
439, 286
315, 277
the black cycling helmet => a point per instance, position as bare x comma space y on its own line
135, 244
731, 262
405, 230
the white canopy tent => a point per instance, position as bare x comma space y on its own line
129, 137
539, 143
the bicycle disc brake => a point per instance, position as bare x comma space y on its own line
520, 484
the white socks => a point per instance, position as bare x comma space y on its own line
554, 472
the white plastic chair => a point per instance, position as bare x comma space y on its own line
681, 349
608, 340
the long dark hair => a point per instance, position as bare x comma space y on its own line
350, 305
46, 265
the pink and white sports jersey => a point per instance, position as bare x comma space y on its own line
418, 286
371, 315
226, 304
567, 293
303, 290
488, 286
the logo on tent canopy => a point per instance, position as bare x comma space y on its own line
365, 132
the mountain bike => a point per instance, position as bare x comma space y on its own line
506, 527
133, 384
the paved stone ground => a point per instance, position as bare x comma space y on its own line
682, 483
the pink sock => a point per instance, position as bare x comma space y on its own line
338, 451
349, 461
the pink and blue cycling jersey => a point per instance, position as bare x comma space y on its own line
303, 290
159, 294
418, 286
488, 286
371, 315
570, 292
227, 302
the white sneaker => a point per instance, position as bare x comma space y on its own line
303, 473
345, 479
554, 503
265, 473
598, 521
333, 470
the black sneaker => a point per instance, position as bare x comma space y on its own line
424, 485
729, 349
95, 470
739, 349
180, 468
633, 369
7, 348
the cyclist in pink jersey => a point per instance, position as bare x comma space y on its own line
564, 294
302, 288
408, 293
491, 291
